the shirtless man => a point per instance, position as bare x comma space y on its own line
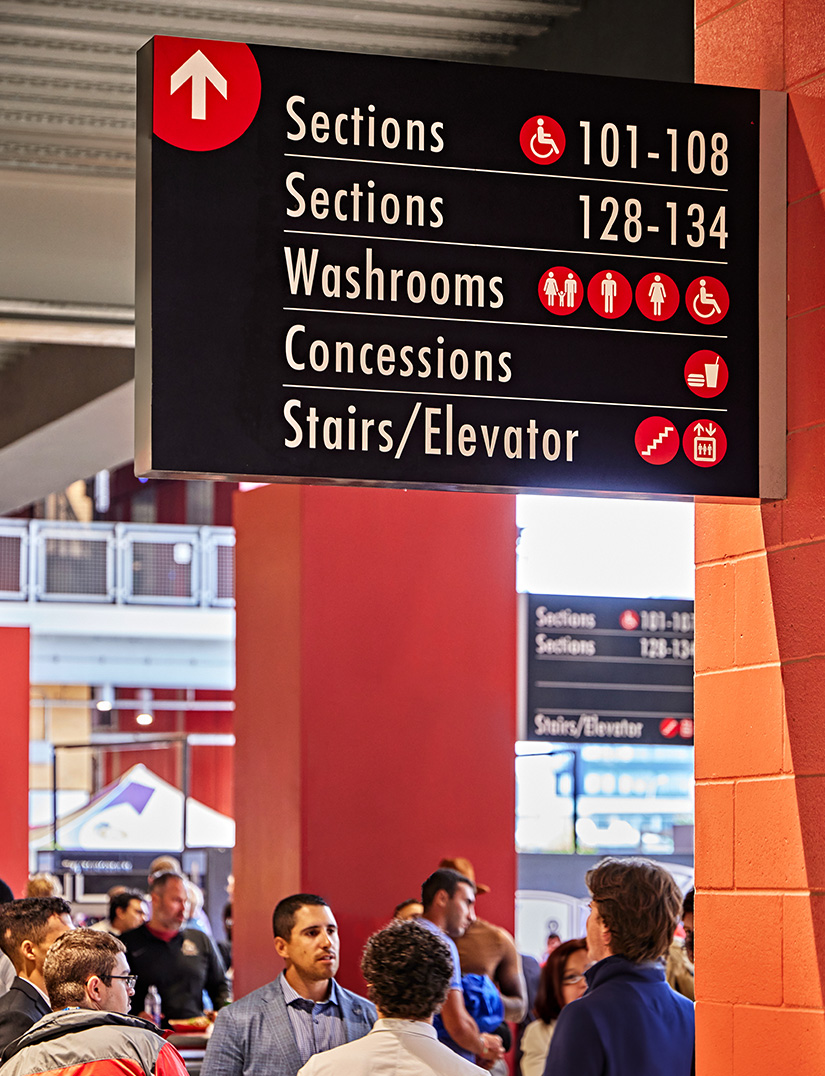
485, 949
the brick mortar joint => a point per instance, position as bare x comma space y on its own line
734, 558
718, 14
743, 668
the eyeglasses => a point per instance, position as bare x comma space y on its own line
130, 980
571, 980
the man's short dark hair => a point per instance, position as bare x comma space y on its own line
405, 904
687, 906
27, 920
444, 878
73, 959
158, 882
283, 918
408, 970
121, 901
639, 903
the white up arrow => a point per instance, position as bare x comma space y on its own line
199, 69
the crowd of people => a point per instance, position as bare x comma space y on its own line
445, 988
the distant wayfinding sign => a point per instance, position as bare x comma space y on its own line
367, 269
608, 670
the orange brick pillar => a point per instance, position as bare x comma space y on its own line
14, 759
375, 704
760, 657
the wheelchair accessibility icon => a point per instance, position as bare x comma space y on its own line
707, 300
542, 140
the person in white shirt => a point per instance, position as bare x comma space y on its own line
408, 971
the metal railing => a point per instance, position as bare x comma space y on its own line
116, 563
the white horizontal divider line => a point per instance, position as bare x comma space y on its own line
504, 172
490, 321
499, 246
497, 398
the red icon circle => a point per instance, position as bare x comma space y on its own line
542, 140
705, 443
657, 440
657, 296
610, 294
561, 290
707, 300
669, 727
706, 373
686, 728
629, 619
206, 93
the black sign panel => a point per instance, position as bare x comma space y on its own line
368, 269
609, 670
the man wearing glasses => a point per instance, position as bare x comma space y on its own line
90, 988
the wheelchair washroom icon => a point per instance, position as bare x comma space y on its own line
542, 140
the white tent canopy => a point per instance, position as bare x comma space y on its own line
138, 813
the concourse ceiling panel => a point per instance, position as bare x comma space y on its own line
67, 67
67, 162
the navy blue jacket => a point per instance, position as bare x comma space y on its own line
629, 1023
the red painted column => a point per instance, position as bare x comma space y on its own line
760, 659
14, 759
375, 714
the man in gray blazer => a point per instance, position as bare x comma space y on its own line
276, 1029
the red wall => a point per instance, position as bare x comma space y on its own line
376, 690
760, 630
14, 759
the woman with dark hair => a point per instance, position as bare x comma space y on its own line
562, 981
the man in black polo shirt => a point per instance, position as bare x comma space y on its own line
181, 963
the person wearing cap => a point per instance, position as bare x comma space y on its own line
449, 898
486, 949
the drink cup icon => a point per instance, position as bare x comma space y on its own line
712, 374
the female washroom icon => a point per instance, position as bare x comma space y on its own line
542, 138
705, 299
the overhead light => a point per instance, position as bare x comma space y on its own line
104, 704
144, 719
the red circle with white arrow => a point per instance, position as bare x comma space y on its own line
669, 727
705, 443
206, 93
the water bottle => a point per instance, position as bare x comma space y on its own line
152, 1005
